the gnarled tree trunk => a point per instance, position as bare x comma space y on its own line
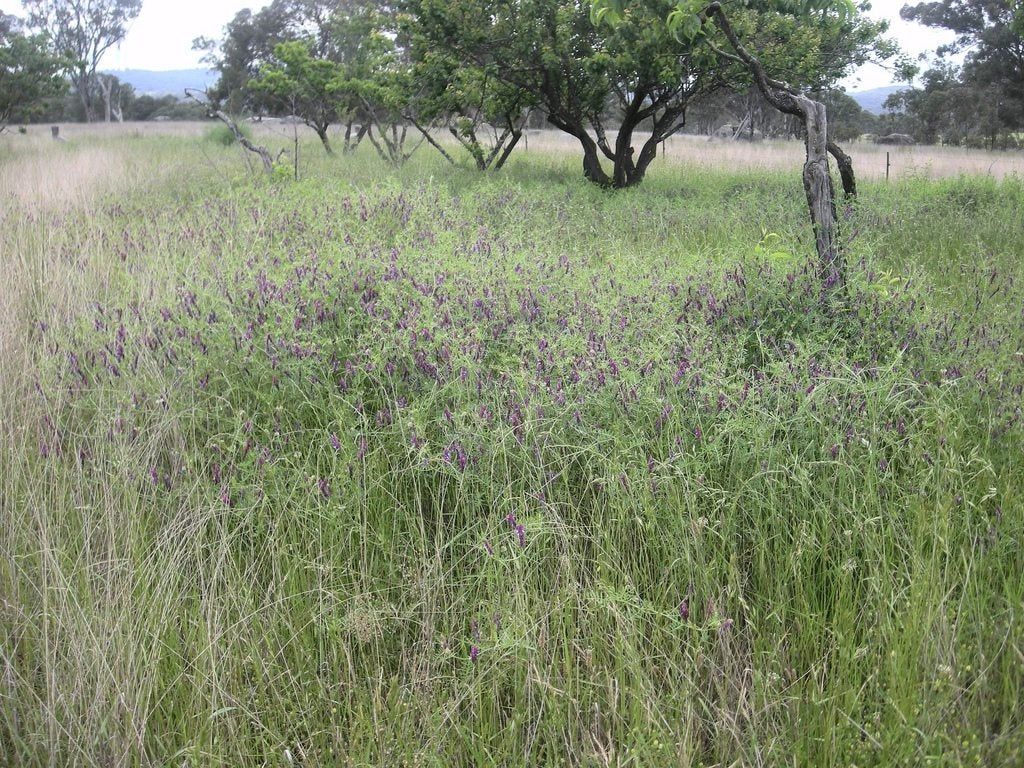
817, 178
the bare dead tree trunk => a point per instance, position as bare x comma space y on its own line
816, 176
845, 164
117, 109
821, 198
106, 85
82, 81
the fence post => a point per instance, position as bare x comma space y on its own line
887, 166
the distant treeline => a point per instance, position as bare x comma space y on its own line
124, 105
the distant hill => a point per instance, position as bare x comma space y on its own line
872, 100
172, 82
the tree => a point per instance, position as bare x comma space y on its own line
846, 119
30, 72
698, 23
385, 94
317, 74
572, 65
484, 114
553, 51
984, 98
116, 96
83, 31
304, 84
247, 45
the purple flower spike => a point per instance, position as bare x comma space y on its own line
510, 518
684, 609
488, 547
521, 533
474, 653
335, 442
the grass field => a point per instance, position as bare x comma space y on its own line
423, 467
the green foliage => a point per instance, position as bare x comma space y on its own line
591, 66
483, 112
222, 135
282, 173
248, 43
302, 85
30, 73
83, 31
982, 100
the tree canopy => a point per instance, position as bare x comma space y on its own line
83, 31
30, 71
982, 99
603, 83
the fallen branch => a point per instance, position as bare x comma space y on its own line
263, 152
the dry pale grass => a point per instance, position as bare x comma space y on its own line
868, 159
53, 250
685, 150
57, 261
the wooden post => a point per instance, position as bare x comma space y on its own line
887, 166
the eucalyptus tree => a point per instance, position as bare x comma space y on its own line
83, 31
984, 97
247, 44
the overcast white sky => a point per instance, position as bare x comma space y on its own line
161, 37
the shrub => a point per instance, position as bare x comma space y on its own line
221, 134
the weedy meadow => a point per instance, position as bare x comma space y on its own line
424, 467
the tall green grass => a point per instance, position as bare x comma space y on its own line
752, 532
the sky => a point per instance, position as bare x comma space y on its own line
161, 37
